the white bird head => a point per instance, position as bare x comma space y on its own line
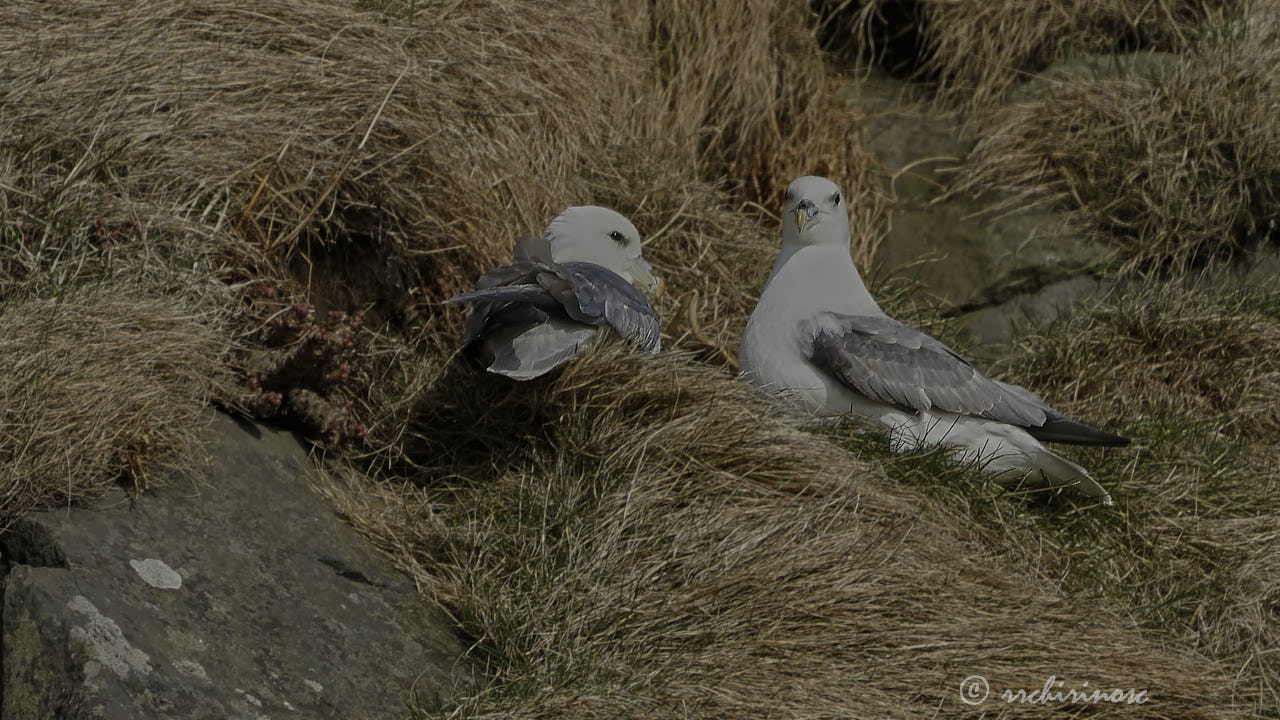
601, 236
814, 213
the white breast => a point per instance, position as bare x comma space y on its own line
807, 282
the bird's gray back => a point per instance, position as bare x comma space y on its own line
895, 364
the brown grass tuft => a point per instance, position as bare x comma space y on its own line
429, 130
1191, 375
1175, 163
977, 50
312, 122
743, 91
99, 386
644, 537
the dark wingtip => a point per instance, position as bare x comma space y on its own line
1073, 433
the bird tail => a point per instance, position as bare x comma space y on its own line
1054, 471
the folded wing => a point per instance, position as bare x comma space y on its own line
533, 315
898, 365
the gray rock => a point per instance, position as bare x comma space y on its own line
1001, 274
970, 262
1255, 267
240, 597
913, 143
1003, 268
996, 328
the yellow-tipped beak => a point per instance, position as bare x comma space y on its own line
642, 274
802, 217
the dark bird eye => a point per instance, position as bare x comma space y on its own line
789, 196
835, 199
618, 237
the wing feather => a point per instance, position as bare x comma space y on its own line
895, 364
531, 316
604, 294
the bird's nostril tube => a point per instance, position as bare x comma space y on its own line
805, 212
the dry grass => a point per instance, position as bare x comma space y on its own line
1190, 551
99, 386
638, 536
1175, 163
451, 127
977, 50
1194, 375
644, 538
382, 156
742, 89
312, 122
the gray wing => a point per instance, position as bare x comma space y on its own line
602, 293
502, 289
896, 364
521, 331
529, 294
531, 316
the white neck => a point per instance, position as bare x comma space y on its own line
818, 277
788, 250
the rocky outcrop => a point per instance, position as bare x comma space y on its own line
994, 272
241, 595
1000, 275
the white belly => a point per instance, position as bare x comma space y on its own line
996, 447
773, 343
